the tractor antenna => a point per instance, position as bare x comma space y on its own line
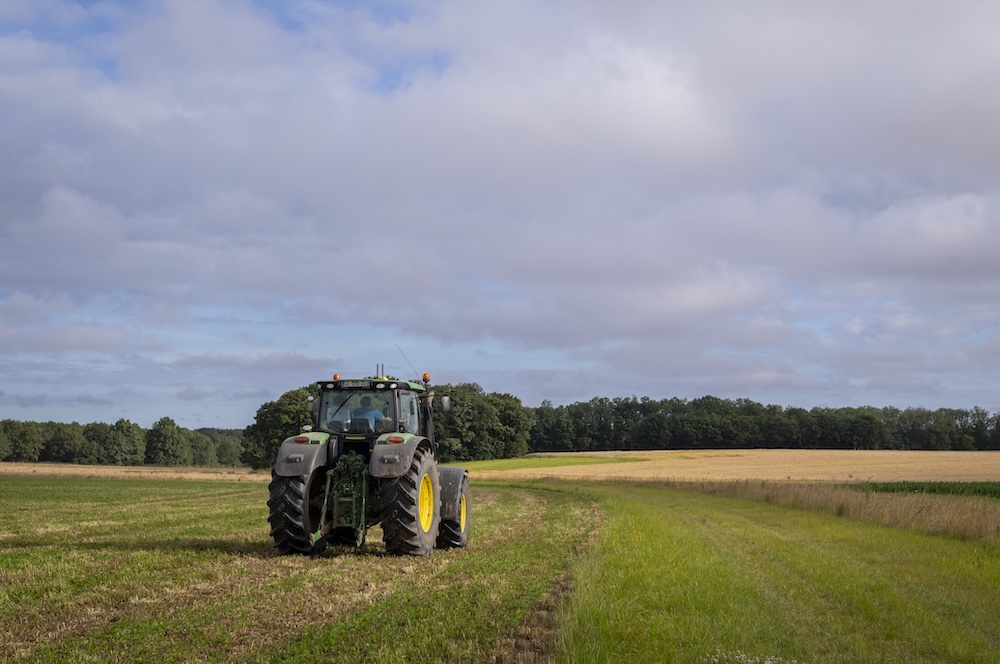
407, 361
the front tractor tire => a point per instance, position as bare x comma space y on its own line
411, 507
294, 506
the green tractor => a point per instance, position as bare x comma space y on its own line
370, 459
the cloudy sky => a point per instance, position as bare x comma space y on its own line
206, 203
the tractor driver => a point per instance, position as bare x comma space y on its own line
366, 410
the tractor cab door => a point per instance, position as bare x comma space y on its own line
409, 413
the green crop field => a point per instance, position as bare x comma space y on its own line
104, 569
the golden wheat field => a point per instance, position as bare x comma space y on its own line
682, 465
793, 465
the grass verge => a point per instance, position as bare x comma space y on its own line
984, 489
956, 513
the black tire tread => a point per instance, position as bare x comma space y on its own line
451, 535
286, 513
398, 503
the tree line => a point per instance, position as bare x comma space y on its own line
123, 443
489, 425
713, 423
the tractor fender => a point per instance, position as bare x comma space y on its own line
451, 490
391, 460
298, 459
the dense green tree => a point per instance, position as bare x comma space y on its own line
806, 427
228, 445
553, 430
66, 443
709, 405
866, 430
653, 432
978, 424
275, 421
749, 408
586, 425
513, 425
778, 429
167, 445
450, 450
101, 438
601, 423
914, 429
25, 439
229, 451
626, 413
467, 430
4, 444
994, 439
128, 444
480, 425
202, 449
890, 416
683, 431
951, 430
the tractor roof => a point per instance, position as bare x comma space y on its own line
369, 383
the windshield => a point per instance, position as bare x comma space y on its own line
356, 411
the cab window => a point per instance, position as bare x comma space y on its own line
408, 410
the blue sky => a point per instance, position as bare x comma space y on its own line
205, 203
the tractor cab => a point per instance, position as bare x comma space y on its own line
365, 410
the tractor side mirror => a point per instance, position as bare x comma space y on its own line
446, 403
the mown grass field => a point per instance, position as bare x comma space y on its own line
152, 570
107, 569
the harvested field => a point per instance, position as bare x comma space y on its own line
131, 472
777, 465
152, 570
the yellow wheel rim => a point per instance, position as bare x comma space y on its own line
425, 503
462, 517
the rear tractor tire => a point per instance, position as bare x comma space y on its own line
294, 506
454, 533
411, 507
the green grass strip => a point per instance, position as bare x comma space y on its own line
685, 577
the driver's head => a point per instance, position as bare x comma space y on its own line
366, 402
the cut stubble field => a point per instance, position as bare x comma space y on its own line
97, 569
680, 556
